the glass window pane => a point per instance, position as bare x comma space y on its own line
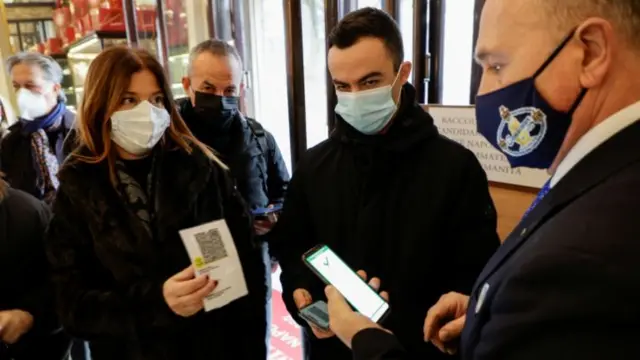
406, 27
50, 29
458, 53
315, 71
269, 77
146, 20
29, 35
15, 43
369, 3
177, 43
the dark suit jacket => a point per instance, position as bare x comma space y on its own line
566, 282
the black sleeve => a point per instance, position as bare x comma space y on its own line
473, 238
291, 238
375, 344
38, 300
235, 210
4, 156
277, 173
89, 303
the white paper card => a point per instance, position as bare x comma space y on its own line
213, 252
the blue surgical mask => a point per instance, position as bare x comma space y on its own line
368, 111
521, 124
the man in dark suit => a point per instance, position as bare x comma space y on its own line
566, 282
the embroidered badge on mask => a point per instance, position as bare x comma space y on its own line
521, 131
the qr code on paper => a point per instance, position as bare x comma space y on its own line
211, 246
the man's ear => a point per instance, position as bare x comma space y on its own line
56, 91
186, 84
405, 71
243, 99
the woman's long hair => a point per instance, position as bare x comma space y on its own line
3, 187
107, 80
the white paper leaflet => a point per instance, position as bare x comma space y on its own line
213, 252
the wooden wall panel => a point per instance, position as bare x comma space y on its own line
511, 203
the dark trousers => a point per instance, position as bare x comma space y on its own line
53, 347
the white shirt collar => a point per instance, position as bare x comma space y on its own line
596, 137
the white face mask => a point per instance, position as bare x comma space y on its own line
139, 129
32, 105
368, 111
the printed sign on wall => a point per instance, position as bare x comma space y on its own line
458, 123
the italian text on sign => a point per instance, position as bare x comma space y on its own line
458, 123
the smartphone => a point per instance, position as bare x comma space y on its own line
333, 271
264, 212
317, 314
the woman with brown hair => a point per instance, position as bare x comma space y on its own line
135, 179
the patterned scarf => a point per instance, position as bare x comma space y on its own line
46, 162
47, 165
136, 198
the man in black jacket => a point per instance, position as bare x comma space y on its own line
29, 328
32, 152
386, 192
566, 282
211, 111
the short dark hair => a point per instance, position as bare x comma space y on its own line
369, 22
214, 47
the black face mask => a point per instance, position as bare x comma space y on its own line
215, 109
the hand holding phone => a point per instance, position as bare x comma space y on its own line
334, 271
265, 218
303, 301
266, 212
316, 314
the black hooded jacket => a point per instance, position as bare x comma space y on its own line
410, 207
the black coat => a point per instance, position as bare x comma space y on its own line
25, 279
408, 206
566, 282
109, 273
16, 155
256, 164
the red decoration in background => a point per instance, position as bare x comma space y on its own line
176, 21
286, 342
84, 16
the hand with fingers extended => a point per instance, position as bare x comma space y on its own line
184, 292
445, 321
345, 322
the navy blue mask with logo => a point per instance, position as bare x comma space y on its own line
521, 124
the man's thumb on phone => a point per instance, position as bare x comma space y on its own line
302, 298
